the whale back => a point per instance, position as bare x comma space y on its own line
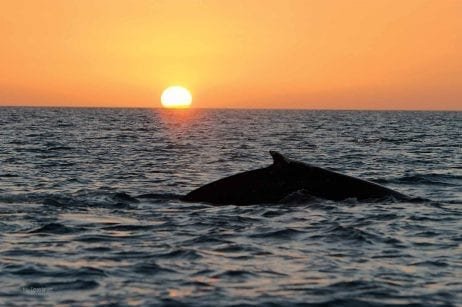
249, 187
285, 176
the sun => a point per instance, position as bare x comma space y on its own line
176, 97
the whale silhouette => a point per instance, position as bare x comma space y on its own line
284, 177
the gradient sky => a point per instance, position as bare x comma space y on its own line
340, 54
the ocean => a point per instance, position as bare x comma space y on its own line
90, 212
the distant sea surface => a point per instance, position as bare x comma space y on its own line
90, 216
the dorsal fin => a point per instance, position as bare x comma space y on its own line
278, 159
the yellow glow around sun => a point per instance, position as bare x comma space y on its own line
176, 97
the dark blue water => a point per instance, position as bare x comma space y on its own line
90, 212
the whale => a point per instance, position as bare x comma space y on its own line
275, 183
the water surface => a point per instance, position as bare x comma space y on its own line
89, 210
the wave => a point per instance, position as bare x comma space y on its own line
85, 198
56, 228
351, 233
47, 271
151, 268
61, 286
288, 233
238, 248
122, 227
430, 178
95, 238
181, 253
160, 196
234, 274
9, 175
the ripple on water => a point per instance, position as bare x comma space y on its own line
56, 228
281, 234
74, 285
90, 210
351, 233
234, 275
129, 228
151, 268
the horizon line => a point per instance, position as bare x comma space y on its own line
228, 108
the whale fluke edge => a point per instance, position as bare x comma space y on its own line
285, 176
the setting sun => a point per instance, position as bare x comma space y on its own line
176, 97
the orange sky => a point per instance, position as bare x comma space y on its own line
341, 54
